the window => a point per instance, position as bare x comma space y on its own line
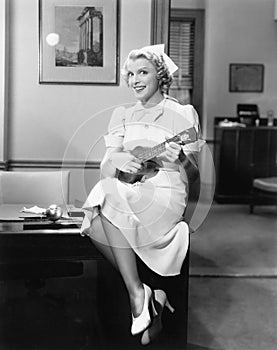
181, 50
186, 48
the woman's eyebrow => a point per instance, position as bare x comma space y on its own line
139, 69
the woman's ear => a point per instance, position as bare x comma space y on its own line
159, 80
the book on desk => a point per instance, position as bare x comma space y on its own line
71, 218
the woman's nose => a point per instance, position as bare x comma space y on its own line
135, 78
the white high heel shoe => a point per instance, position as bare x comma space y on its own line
156, 327
141, 322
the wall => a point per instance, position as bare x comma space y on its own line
66, 122
43, 118
63, 122
188, 4
238, 31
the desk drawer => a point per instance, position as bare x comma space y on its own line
38, 247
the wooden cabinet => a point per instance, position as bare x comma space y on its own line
241, 154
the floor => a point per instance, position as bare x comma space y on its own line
233, 280
232, 295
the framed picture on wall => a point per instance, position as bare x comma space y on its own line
246, 77
79, 41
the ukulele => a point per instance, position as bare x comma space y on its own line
147, 156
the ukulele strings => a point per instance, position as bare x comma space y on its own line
156, 150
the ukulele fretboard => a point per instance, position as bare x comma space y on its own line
161, 147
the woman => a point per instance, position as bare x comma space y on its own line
144, 218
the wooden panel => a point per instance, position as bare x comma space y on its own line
261, 152
244, 165
160, 22
227, 173
19, 248
40, 256
242, 154
273, 153
174, 335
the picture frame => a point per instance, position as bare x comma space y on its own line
79, 42
246, 77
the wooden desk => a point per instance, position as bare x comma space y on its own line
41, 252
34, 251
41, 243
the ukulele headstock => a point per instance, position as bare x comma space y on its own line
186, 136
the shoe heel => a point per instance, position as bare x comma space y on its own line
169, 306
154, 310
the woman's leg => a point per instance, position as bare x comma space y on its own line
113, 245
125, 259
98, 236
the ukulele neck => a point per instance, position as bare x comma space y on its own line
152, 152
155, 151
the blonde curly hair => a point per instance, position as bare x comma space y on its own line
163, 76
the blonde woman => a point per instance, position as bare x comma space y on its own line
144, 218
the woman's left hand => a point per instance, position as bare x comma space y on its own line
172, 152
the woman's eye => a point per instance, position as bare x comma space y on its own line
130, 74
143, 72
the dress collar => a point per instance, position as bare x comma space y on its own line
155, 111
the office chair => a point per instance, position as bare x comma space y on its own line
34, 187
264, 191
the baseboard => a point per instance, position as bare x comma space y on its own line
240, 272
51, 164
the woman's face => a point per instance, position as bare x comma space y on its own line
142, 78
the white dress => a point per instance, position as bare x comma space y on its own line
148, 213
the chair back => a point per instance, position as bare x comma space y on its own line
34, 187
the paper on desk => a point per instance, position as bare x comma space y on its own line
33, 210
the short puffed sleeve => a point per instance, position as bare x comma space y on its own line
116, 129
191, 117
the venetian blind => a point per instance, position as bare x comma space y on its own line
181, 50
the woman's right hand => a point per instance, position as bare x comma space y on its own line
125, 161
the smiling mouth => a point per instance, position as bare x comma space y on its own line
139, 88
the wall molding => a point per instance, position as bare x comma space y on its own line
3, 165
54, 164
160, 14
50, 164
4, 77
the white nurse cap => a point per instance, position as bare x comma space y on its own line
159, 51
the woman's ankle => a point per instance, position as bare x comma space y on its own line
137, 296
135, 289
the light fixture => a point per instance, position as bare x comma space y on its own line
52, 39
